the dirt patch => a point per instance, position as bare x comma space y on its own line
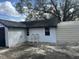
42, 52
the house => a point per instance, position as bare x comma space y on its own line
68, 33
13, 33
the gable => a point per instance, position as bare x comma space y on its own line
1, 25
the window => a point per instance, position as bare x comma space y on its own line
47, 31
27, 31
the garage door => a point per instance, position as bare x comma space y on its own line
2, 37
68, 32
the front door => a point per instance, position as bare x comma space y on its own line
2, 37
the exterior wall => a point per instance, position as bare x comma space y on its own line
16, 36
38, 34
68, 32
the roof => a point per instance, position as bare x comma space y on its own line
12, 23
30, 24
42, 23
69, 23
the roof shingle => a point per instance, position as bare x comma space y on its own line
31, 24
42, 23
12, 23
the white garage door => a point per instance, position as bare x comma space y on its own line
68, 32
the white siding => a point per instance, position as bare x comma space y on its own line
16, 36
68, 32
39, 35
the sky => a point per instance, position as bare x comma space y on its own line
8, 11
13, 1
9, 0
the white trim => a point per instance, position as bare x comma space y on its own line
6, 37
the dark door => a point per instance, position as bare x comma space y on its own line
2, 37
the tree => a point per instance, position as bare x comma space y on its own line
38, 11
67, 10
64, 11
22, 5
